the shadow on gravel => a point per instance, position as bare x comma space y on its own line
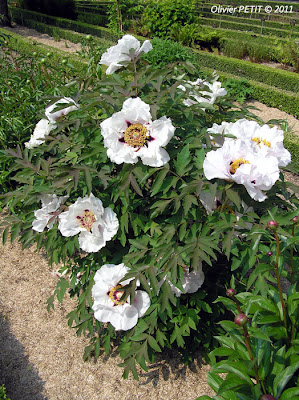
20, 378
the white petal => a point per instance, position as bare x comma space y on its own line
142, 302
146, 47
90, 243
54, 115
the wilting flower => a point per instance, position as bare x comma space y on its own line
95, 224
203, 96
131, 133
236, 161
191, 281
53, 115
127, 48
41, 130
45, 216
45, 126
107, 293
264, 140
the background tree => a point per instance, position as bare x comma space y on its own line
4, 17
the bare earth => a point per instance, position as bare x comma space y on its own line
41, 357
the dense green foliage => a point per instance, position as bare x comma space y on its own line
159, 17
261, 356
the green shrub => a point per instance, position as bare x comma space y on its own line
166, 51
159, 16
239, 89
3, 393
92, 18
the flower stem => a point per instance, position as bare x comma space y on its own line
278, 282
292, 256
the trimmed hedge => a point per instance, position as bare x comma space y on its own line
251, 3
72, 36
27, 47
93, 18
20, 16
243, 35
284, 25
285, 80
247, 27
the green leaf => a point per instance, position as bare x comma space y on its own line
4, 235
159, 181
231, 382
257, 333
289, 394
153, 343
283, 377
234, 197
236, 368
135, 185
183, 159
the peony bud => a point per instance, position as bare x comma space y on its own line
267, 397
272, 225
241, 319
230, 292
295, 219
269, 254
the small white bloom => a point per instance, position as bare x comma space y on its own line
107, 293
95, 224
236, 161
41, 130
203, 96
121, 54
131, 133
53, 115
45, 216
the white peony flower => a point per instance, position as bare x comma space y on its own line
45, 216
236, 161
131, 133
264, 140
53, 115
127, 48
107, 293
95, 224
41, 130
209, 97
45, 126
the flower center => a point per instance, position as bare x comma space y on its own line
135, 135
86, 220
226, 209
260, 141
234, 165
115, 295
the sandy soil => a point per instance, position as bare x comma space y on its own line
41, 357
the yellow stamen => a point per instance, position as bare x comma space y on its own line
135, 135
86, 220
236, 164
115, 295
258, 141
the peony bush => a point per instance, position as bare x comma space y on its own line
148, 188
